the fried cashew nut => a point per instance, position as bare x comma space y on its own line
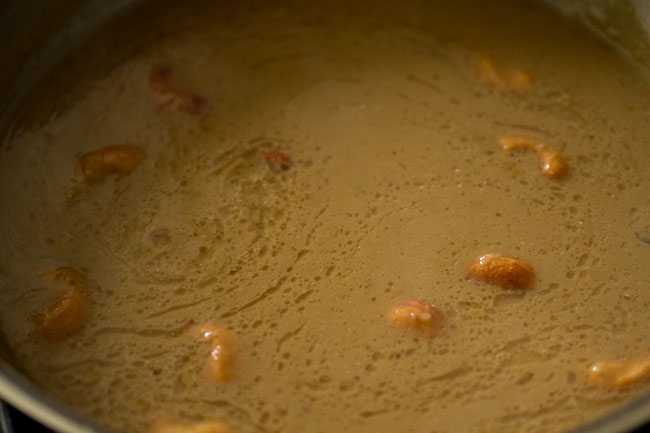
509, 79
619, 374
167, 95
552, 163
68, 313
220, 357
119, 159
504, 271
277, 160
418, 316
187, 427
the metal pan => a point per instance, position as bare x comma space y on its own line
5, 420
36, 34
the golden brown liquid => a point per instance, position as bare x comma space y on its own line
398, 183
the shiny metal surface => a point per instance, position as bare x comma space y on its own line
27, 397
36, 34
5, 421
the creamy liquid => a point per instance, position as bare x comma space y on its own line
398, 183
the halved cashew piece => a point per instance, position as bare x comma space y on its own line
278, 160
69, 312
512, 79
220, 357
418, 316
187, 427
505, 271
166, 94
619, 374
553, 164
117, 159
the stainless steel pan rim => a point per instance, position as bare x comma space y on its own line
21, 393
625, 419
5, 422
